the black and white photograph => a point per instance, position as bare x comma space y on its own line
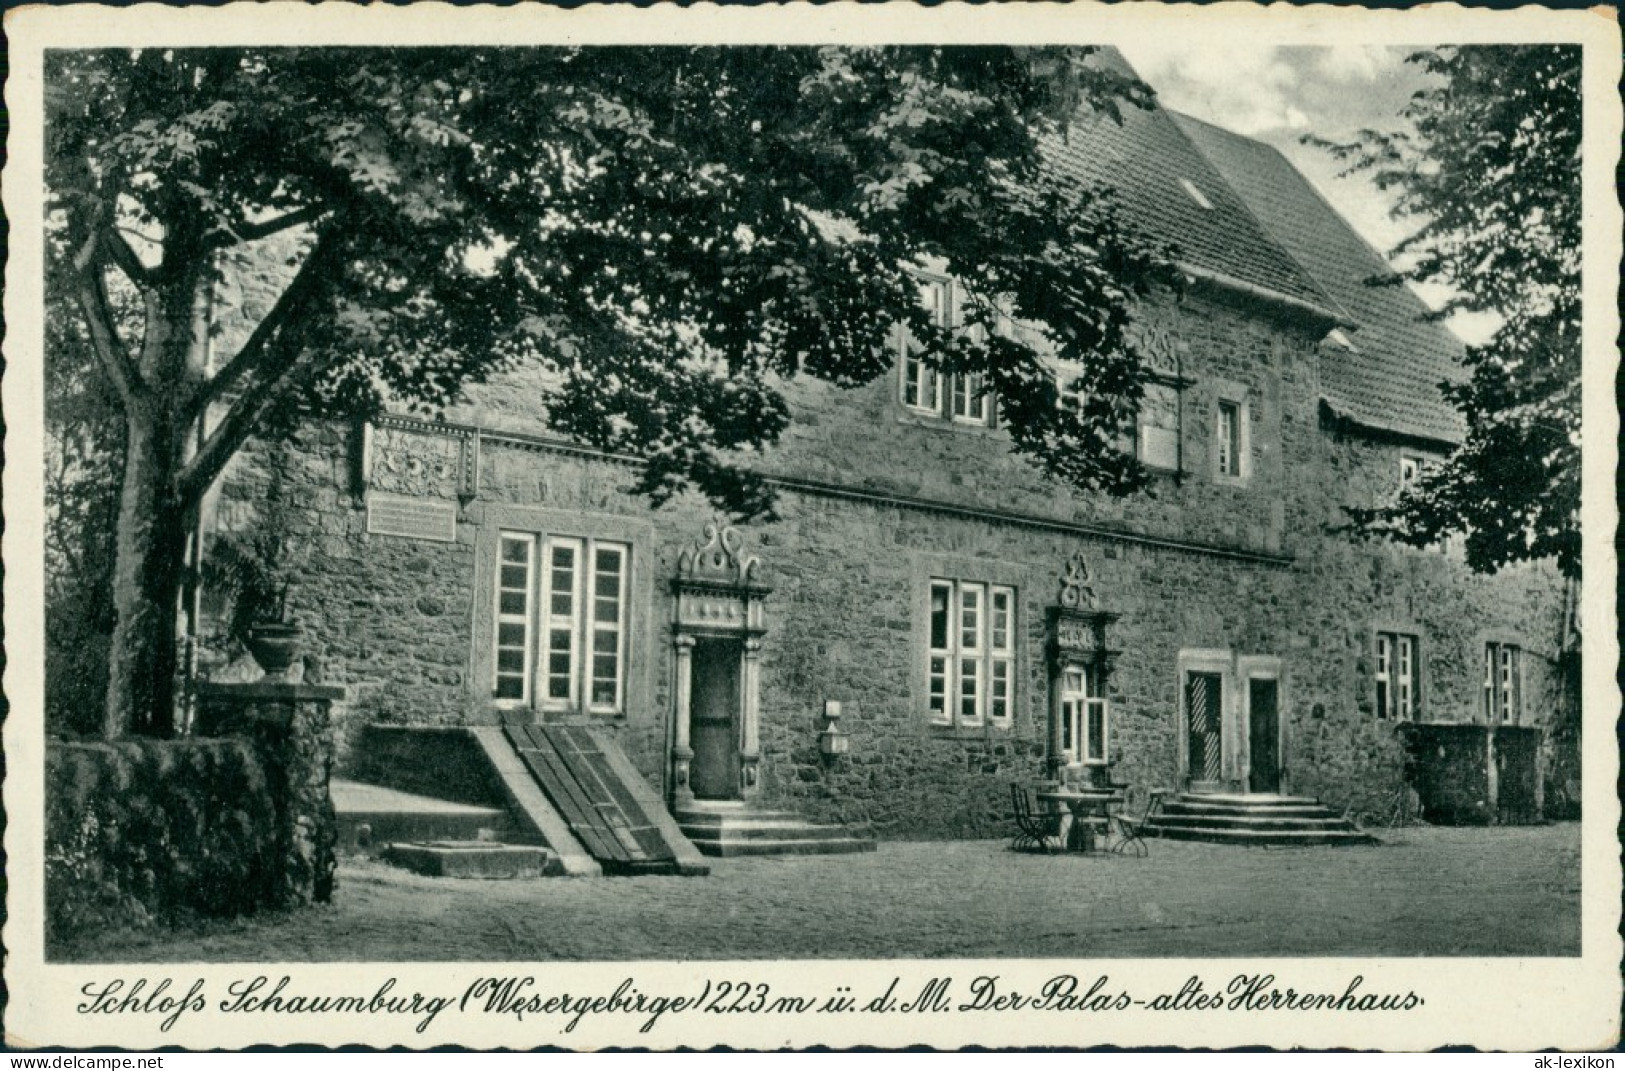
1032, 525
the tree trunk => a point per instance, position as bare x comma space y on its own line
147, 575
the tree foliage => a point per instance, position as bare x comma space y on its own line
1490, 166
673, 232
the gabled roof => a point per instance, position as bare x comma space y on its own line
1172, 193
1388, 375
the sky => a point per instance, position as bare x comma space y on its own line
1278, 94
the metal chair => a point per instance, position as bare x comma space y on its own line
1034, 828
1126, 838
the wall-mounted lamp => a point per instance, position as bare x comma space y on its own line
831, 741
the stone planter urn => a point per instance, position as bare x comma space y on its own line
274, 645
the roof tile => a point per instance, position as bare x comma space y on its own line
1390, 377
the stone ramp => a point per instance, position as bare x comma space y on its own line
733, 829
610, 810
1257, 820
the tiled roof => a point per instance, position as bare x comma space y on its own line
1159, 176
1389, 378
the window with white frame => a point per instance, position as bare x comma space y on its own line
1410, 470
1398, 677
970, 664
1083, 717
961, 399
970, 399
561, 623
1068, 397
1503, 683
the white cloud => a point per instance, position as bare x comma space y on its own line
1246, 89
1358, 63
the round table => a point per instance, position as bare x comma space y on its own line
1091, 813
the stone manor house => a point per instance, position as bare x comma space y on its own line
929, 620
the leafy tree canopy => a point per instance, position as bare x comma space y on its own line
1490, 166
673, 231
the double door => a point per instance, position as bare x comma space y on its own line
1231, 743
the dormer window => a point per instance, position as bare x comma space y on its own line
1411, 470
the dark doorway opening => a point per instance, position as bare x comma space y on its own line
1263, 735
714, 727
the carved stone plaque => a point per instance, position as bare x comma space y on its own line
1074, 634
411, 518
409, 463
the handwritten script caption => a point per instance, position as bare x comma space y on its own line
528, 998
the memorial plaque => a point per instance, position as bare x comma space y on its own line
411, 518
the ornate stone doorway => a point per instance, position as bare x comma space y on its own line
717, 634
1080, 664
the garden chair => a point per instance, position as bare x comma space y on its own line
1127, 833
1035, 829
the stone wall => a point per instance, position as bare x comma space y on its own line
138, 831
874, 504
229, 822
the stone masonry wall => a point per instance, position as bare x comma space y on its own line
405, 624
139, 831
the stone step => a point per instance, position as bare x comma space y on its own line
1208, 805
740, 817
1261, 837
474, 859
790, 846
1246, 799
371, 817
1250, 821
724, 830
1194, 807
782, 829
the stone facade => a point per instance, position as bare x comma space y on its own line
1243, 574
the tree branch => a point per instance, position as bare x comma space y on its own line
250, 354
239, 423
110, 352
279, 368
253, 232
124, 255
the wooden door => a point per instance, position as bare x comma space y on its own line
714, 728
1204, 751
1263, 735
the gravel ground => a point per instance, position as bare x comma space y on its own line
1424, 892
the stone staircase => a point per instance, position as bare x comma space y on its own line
371, 817
1257, 820
440, 838
733, 829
